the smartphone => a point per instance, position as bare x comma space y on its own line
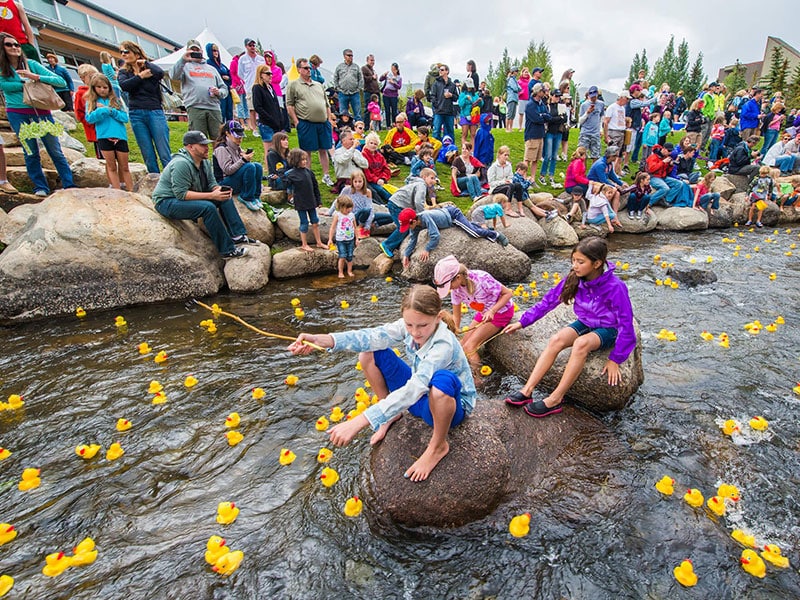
196, 54
248, 151
225, 188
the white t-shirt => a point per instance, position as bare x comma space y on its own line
616, 115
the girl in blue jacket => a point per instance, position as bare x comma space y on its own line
104, 111
605, 320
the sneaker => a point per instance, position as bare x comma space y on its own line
556, 185
551, 214
385, 251
501, 239
759, 224
518, 399
748, 224
542, 181
243, 239
630, 215
539, 409
326, 179
569, 218
254, 205
626, 171
236, 253
40, 193
7, 188
407, 161
639, 215
256, 133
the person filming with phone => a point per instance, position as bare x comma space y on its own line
187, 189
202, 89
234, 167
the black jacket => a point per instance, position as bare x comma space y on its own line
144, 94
739, 158
265, 103
442, 105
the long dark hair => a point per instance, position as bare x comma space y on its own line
593, 248
276, 144
224, 130
5, 64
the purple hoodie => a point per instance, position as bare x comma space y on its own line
602, 302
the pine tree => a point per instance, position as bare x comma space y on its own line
496, 79
634, 70
696, 79
664, 69
682, 66
538, 55
777, 71
736, 81
793, 91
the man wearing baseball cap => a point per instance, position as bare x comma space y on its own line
636, 104
202, 89
187, 189
536, 77
512, 96
248, 63
589, 119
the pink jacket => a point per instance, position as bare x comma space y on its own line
236, 81
277, 75
576, 174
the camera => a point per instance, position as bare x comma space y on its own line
196, 54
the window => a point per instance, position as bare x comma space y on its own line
103, 29
74, 18
149, 48
43, 7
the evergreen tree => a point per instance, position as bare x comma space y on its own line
664, 69
793, 91
644, 66
538, 55
736, 81
496, 79
682, 66
634, 70
696, 79
775, 80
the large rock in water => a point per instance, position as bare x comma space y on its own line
644, 225
692, 277
297, 263
498, 456
677, 218
100, 249
524, 233
518, 353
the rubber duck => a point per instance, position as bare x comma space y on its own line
114, 451
464, 309
352, 414
6, 583
216, 311
668, 281
374, 399
706, 335
87, 452
358, 366
56, 563
743, 538
212, 328
772, 553
730, 427
4, 453
674, 285
15, 402
388, 280
520, 525
736, 253
336, 414
361, 395
354, 506
664, 264
486, 370
545, 275
7, 533
773, 276
155, 387
659, 282
160, 357
322, 424
362, 405
159, 398
206, 322
227, 513
693, 497
373, 299
234, 437
756, 248
795, 389
190, 381
666, 335
344, 304
792, 246
664, 485
692, 260
748, 256
232, 420
656, 258
291, 380
625, 267
144, 348
295, 302
752, 563
709, 259
84, 553
80, 313
30, 479
759, 423
120, 321
324, 455
287, 457
771, 327
779, 320
532, 285
723, 340
228, 563
258, 393
684, 574
329, 476
731, 492
215, 549
716, 504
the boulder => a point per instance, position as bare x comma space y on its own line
91, 173
251, 272
559, 233
524, 233
15, 157
298, 263
9, 202
644, 225
289, 222
721, 218
15, 222
256, 223
591, 231
724, 187
739, 207
680, 218
789, 215
10, 139
67, 141
5, 228
518, 353
740, 182
366, 252
273, 197
99, 249
543, 198
19, 178
147, 184
692, 277
67, 121
771, 215
380, 265
505, 264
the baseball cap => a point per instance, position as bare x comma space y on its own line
514, 69
635, 88
593, 91
537, 88
713, 84
405, 217
444, 272
612, 151
236, 129
193, 44
625, 94
557, 93
536, 70
669, 146
195, 137
248, 41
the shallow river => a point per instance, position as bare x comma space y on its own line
151, 511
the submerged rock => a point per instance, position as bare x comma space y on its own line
692, 277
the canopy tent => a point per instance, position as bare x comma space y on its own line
204, 37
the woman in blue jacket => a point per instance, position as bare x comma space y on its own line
226, 103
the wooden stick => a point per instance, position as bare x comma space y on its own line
484, 343
256, 329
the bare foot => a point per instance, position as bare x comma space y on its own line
513, 213
381, 433
420, 470
323, 246
350, 274
307, 248
341, 275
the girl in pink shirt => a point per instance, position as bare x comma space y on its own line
704, 198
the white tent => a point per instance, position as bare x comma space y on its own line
204, 37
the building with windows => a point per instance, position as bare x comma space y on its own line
755, 71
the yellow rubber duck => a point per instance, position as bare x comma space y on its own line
771, 327
731, 492
795, 389
228, 563
545, 275
520, 525
84, 553
322, 424
464, 309
716, 504
234, 437
15, 402
388, 280
80, 313
759, 423
144, 348
161, 357
779, 320
358, 366
354, 506
692, 260
684, 574
120, 321
206, 322
361, 406
668, 281
664, 485
336, 414
216, 311
190, 381
159, 398
87, 452
344, 304
291, 380
486, 370
155, 387
773, 276
743, 538
4, 453
664, 264
736, 253
324, 455
659, 282
295, 302
373, 299
709, 259
730, 427
7, 533
772, 553
6, 583
233, 420
215, 549
30, 479
374, 399
329, 476
674, 285
212, 328
666, 335
56, 563
227, 513
723, 340
656, 258
706, 335
753, 564
625, 266
361, 395
693, 497
114, 451
287, 457
258, 393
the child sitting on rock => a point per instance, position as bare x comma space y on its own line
760, 191
791, 196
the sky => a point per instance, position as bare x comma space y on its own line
597, 39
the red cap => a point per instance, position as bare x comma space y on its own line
405, 217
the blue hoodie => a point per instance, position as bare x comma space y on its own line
484, 141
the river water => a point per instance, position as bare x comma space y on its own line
151, 511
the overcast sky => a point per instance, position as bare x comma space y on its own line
597, 39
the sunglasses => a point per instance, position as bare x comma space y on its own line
348, 56
306, 68
124, 51
444, 283
11, 45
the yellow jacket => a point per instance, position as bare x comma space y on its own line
414, 140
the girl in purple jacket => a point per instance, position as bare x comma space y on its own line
605, 320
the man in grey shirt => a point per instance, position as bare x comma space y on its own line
589, 120
348, 81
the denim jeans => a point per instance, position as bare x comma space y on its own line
552, 142
396, 238
710, 198
601, 218
785, 163
379, 218
246, 182
713, 149
354, 101
469, 186
33, 162
770, 137
442, 126
381, 192
221, 220
226, 108
152, 136
661, 189
637, 145
390, 108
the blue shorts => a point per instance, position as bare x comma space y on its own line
305, 217
314, 136
396, 373
266, 132
607, 335
345, 248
